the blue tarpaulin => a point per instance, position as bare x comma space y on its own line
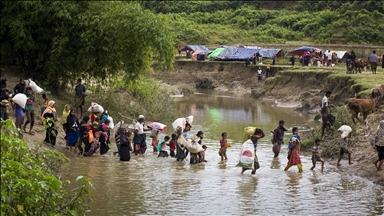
301, 50
243, 54
226, 53
195, 47
268, 53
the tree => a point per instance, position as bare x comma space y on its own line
59, 40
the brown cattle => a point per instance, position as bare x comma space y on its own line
365, 106
359, 65
366, 64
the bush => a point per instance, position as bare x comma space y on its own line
31, 181
331, 141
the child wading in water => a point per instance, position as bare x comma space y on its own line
316, 154
155, 141
162, 147
223, 146
172, 146
343, 147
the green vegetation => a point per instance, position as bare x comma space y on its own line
228, 22
31, 182
330, 144
59, 41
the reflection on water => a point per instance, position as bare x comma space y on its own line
148, 185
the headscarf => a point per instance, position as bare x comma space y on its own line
104, 127
65, 113
72, 119
50, 108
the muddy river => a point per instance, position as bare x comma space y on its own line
148, 185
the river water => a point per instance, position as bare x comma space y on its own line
148, 185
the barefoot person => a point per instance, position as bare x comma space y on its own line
49, 116
278, 138
327, 117
223, 147
139, 136
79, 97
29, 109
73, 129
294, 156
343, 148
257, 135
379, 142
316, 155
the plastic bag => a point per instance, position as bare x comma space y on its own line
153, 133
247, 155
111, 124
372, 139
193, 146
20, 99
180, 122
346, 130
248, 131
35, 88
96, 108
182, 142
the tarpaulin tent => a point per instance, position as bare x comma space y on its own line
216, 52
341, 55
268, 53
194, 55
301, 50
243, 54
227, 52
194, 48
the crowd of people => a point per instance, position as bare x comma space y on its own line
92, 133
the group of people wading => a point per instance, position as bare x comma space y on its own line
94, 133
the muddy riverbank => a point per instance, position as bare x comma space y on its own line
299, 88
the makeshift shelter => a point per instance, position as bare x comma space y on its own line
341, 55
301, 50
243, 54
227, 52
268, 53
192, 48
216, 52
194, 55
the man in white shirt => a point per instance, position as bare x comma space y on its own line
328, 118
139, 136
259, 72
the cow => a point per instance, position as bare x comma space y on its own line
366, 65
365, 106
350, 66
359, 65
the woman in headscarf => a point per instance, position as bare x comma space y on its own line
49, 120
66, 111
103, 137
73, 129
379, 141
83, 127
125, 144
